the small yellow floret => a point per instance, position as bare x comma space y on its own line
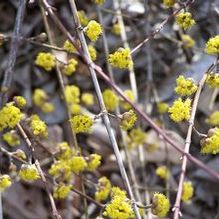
130, 95
110, 99
39, 97
121, 58
94, 161
28, 172
83, 18
137, 136
20, 101
169, 3
213, 119
213, 80
99, 2
103, 189
160, 205
180, 110
72, 94
93, 30
65, 151
93, 52
75, 109
69, 47
12, 138
116, 29
163, 172
162, 107
188, 42
81, 123
116, 191
61, 191
38, 127
185, 20
46, 61
188, 191
70, 68
77, 164
185, 86
48, 107
212, 46
87, 99
128, 120
5, 182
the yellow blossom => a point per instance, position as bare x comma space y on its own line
48, 107
188, 191
5, 182
93, 30
69, 47
83, 18
116, 191
116, 29
20, 154
11, 138
77, 164
212, 46
103, 189
213, 80
61, 191
188, 42
137, 136
65, 151
169, 3
129, 94
39, 97
72, 94
121, 58
45, 60
38, 127
99, 2
162, 107
110, 99
93, 161
180, 110
160, 205
28, 172
75, 109
128, 120
185, 86
20, 101
213, 119
185, 20
93, 52
87, 99
70, 68
81, 123
163, 172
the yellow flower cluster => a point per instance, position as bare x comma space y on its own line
72, 94
162, 107
99, 2
77, 164
169, 3
116, 191
185, 86
81, 123
83, 18
180, 110
213, 119
188, 191
160, 205
5, 182
121, 58
93, 30
11, 138
163, 172
69, 47
128, 120
10, 116
129, 94
21, 154
185, 20
116, 29
188, 42
40, 99
20, 101
61, 191
93, 161
29, 172
110, 99
45, 60
93, 52
212, 46
137, 136
70, 68
213, 80
87, 99
38, 127
103, 189
210, 145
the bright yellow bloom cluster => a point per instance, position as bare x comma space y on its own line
188, 42
87, 99
83, 18
61, 191
121, 58
93, 52
70, 68
169, 3
40, 99
110, 99
72, 94
137, 136
162, 107
29, 172
75, 109
38, 127
12, 138
212, 46
65, 152
93, 30
213, 119
210, 145
188, 191
99, 2
116, 191
185, 86
160, 205
93, 161
130, 95
116, 29
69, 47
128, 120
5, 182
163, 172
103, 189
10, 116
77, 164
213, 80
20, 101
185, 20
180, 110
81, 123
45, 60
